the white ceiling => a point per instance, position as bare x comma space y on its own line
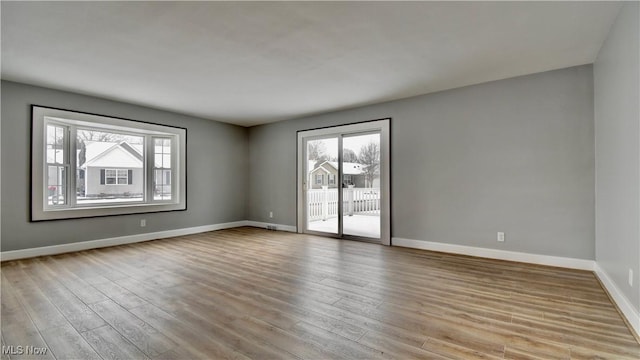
252, 63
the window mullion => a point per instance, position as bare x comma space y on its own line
148, 167
45, 168
73, 163
174, 169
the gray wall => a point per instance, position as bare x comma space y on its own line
617, 119
214, 195
514, 155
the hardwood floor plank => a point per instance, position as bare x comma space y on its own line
41, 311
83, 290
388, 345
17, 328
434, 327
187, 337
146, 338
590, 352
621, 346
111, 345
73, 309
454, 351
215, 324
66, 343
281, 338
283, 314
3, 355
236, 340
338, 346
120, 295
537, 348
166, 299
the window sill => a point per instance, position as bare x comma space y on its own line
113, 210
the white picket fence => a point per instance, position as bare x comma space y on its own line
323, 203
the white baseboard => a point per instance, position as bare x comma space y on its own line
264, 225
558, 261
129, 239
632, 315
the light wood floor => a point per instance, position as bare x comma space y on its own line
251, 293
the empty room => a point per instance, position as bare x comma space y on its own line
320, 180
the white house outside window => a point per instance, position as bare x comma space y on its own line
117, 166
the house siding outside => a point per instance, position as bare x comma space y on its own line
93, 183
325, 179
358, 180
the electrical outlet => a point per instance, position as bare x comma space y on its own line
271, 214
143, 222
500, 236
630, 277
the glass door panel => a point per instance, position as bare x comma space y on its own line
321, 185
361, 195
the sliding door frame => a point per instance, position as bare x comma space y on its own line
381, 125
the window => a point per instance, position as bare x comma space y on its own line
332, 179
319, 179
116, 177
117, 166
347, 180
57, 165
162, 169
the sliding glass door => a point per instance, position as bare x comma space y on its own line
343, 181
361, 185
322, 185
